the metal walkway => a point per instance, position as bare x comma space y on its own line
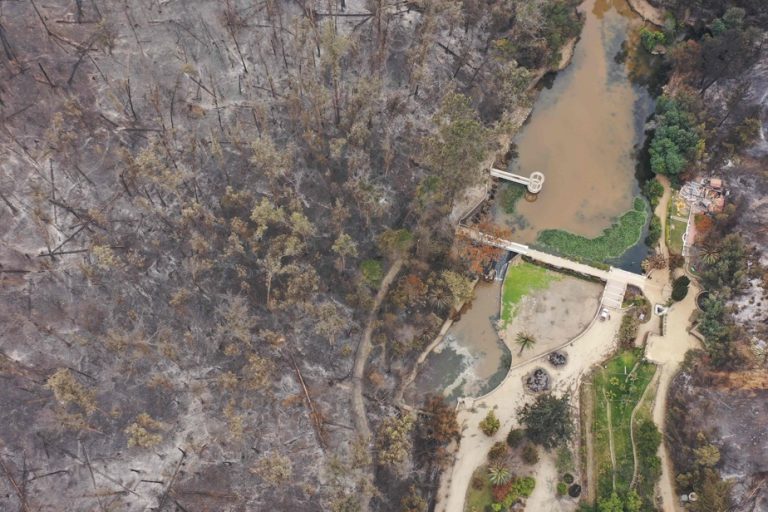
534, 182
616, 279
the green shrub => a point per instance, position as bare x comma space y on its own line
680, 288
560, 24
530, 454
651, 38
564, 460
654, 231
628, 330
510, 194
490, 425
497, 451
568, 478
515, 437
372, 272
562, 488
524, 486
653, 190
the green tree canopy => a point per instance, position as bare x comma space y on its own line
547, 420
460, 145
677, 138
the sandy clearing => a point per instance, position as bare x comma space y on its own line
553, 316
590, 348
668, 352
544, 496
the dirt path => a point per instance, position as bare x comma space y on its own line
593, 346
363, 351
668, 352
639, 403
661, 212
610, 439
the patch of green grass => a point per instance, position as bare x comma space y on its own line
615, 240
522, 279
479, 498
675, 231
373, 272
619, 385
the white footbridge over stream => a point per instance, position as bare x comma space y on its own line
616, 279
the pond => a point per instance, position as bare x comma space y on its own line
472, 359
584, 132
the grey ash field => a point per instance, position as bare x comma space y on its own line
188, 191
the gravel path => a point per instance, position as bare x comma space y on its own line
593, 346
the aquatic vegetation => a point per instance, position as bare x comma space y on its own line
614, 241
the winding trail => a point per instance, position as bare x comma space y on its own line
358, 370
588, 349
668, 351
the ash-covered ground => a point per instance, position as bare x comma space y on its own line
187, 192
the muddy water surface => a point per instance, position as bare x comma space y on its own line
583, 132
472, 359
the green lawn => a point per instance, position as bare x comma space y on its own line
478, 499
615, 240
522, 279
619, 385
675, 231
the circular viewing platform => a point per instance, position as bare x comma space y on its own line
535, 182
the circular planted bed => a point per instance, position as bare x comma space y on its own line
537, 380
558, 358
700, 299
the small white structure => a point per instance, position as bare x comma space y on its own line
660, 310
534, 183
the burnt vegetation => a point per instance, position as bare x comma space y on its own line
711, 122
189, 191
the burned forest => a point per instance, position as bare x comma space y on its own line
227, 233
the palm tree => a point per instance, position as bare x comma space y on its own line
710, 253
499, 475
525, 341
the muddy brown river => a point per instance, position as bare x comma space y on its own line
584, 131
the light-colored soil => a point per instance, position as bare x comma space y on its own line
647, 12
553, 316
544, 496
594, 345
668, 351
